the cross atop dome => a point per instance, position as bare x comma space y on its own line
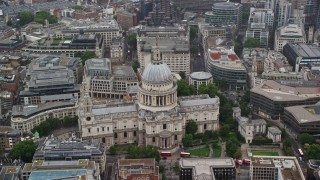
156, 59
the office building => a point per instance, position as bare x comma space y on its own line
260, 32
8, 138
291, 33
178, 31
107, 28
198, 78
137, 169
71, 48
225, 65
258, 15
138, 121
44, 170
6, 101
11, 44
301, 54
10, 172
274, 133
302, 119
173, 52
275, 167
207, 168
9, 80
162, 14
223, 32
283, 12
225, 13
270, 98
107, 81
55, 149
126, 20
52, 78
117, 50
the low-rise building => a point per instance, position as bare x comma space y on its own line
8, 138
226, 66
302, 119
274, 133
44, 170
137, 169
54, 149
117, 50
198, 78
10, 172
249, 128
270, 98
126, 19
207, 168
275, 167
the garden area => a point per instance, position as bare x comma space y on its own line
55, 42
216, 150
264, 153
200, 152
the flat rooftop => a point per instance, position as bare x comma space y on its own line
289, 166
277, 92
305, 113
201, 75
167, 45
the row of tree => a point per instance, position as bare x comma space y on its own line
51, 124
311, 148
26, 17
138, 152
24, 150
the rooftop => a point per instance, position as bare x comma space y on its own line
305, 50
9, 131
305, 113
102, 25
201, 75
198, 102
277, 92
289, 166
165, 45
274, 130
292, 30
136, 166
107, 110
226, 5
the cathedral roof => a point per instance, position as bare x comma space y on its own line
157, 73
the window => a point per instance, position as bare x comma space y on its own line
115, 135
89, 130
164, 126
153, 139
205, 126
175, 137
134, 133
97, 129
107, 128
102, 128
125, 134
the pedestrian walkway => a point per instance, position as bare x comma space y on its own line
211, 151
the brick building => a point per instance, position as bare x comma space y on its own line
126, 19
130, 169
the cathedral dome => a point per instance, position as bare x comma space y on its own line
157, 73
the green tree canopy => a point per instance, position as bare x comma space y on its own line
313, 151
24, 150
187, 140
211, 89
224, 130
132, 41
25, 17
306, 138
41, 16
113, 150
194, 50
182, 74
87, 55
191, 127
9, 22
244, 102
135, 66
184, 89
193, 33
252, 43
140, 152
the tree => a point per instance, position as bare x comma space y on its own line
211, 89
132, 41
244, 102
87, 55
193, 33
287, 143
184, 89
187, 141
238, 46
252, 43
69, 121
224, 130
191, 127
176, 168
182, 74
161, 169
306, 138
237, 154
25, 17
113, 150
313, 151
193, 50
24, 150
135, 66
9, 22
41, 16
140, 152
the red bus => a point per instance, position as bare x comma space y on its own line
165, 154
300, 152
246, 161
184, 154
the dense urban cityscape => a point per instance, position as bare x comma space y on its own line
159, 90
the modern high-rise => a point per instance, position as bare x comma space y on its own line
258, 15
283, 12
260, 32
225, 13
